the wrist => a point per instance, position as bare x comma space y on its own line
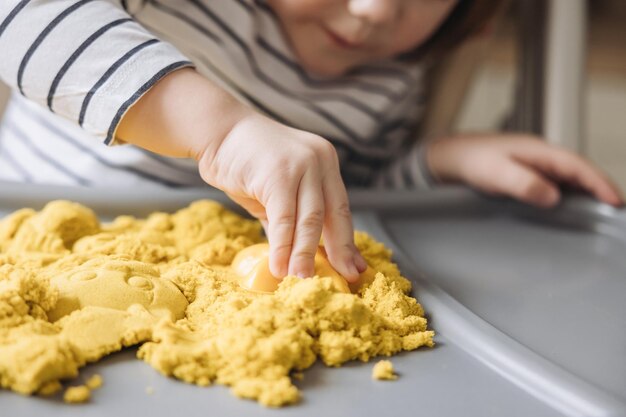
183, 115
219, 127
433, 161
428, 176
439, 158
243, 123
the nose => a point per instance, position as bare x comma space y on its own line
374, 11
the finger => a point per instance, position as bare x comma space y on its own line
338, 231
309, 223
570, 167
281, 219
516, 180
251, 205
265, 225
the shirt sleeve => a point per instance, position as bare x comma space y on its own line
88, 61
409, 171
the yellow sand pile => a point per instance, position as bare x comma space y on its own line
73, 290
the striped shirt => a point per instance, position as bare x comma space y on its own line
76, 66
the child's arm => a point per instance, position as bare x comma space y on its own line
87, 61
286, 177
520, 166
91, 63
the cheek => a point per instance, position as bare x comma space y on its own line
419, 24
409, 38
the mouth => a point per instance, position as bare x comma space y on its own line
341, 41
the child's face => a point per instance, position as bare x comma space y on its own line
330, 37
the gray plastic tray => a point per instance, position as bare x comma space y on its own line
529, 307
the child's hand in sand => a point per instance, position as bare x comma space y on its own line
287, 178
519, 166
290, 180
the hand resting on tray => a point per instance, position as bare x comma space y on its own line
516, 165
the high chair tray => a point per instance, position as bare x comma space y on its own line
528, 306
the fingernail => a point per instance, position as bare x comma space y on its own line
554, 198
548, 199
277, 273
300, 273
360, 262
352, 270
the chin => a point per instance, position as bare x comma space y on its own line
324, 69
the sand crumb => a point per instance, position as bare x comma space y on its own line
383, 370
94, 382
77, 394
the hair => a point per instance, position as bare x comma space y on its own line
466, 19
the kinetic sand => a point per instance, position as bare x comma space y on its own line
73, 290
383, 370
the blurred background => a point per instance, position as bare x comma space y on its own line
489, 97
481, 84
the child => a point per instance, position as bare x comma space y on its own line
276, 102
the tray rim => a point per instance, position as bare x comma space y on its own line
529, 371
